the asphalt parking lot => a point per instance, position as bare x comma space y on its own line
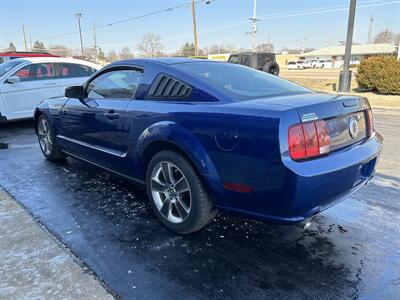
350, 251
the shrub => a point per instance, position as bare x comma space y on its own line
380, 73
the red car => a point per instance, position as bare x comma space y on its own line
6, 56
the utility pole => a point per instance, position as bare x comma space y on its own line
24, 36
254, 26
78, 17
371, 20
94, 43
194, 27
345, 75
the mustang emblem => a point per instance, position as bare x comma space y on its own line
353, 127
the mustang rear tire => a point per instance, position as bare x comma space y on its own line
176, 193
47, 140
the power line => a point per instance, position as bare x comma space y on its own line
231, 24
267, 17
169, 9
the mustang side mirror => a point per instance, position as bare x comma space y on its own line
76, 91
13, 79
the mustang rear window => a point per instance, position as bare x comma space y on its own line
242, 82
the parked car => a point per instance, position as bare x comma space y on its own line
205, 135
316, 63
326, 63
308, 64
262, 61
295, 65
24, 83
8, 55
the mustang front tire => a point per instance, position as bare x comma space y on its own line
47, 140
176, 193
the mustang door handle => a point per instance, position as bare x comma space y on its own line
112, 115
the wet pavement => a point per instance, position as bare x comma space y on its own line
350, 251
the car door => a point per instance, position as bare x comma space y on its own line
36, 83
73, 74
92, 127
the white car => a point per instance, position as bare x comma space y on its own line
308, 64
25, 82
326, 64
295, 65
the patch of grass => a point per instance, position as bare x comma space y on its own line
326, 86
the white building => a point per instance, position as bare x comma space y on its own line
358, 52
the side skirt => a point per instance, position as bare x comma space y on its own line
135, 180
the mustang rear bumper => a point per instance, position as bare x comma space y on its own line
295, 191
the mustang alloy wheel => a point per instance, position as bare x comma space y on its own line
47, 141
176, 193
171, 192
44, 136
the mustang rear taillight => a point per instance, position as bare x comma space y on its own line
308, 140
370, 122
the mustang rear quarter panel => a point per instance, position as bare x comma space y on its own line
224, 142
175, 134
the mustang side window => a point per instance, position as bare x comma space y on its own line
115, 84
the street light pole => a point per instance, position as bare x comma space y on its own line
194, 27
78, 17
24, 36
345, 75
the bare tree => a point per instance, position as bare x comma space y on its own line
186, 50
126, 53
112, 56
100, 55
397, 39
265, 47
89, 53
385, 36
60, 50
38, 46
11, 47
217, 49
150, 45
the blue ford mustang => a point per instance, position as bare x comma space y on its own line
203, 135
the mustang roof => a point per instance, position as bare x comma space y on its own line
166, 60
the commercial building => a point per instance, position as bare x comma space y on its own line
358, 52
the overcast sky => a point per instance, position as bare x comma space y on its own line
287, 22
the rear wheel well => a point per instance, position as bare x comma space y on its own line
159, 146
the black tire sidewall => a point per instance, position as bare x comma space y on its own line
196, 190
54, 154
271, 65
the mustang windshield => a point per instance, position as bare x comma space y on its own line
242, 82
